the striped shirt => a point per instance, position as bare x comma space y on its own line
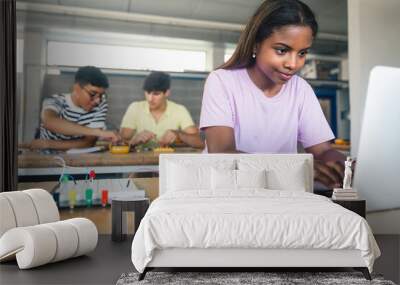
62, 104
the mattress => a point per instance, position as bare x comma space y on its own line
251, 219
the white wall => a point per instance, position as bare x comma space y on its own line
374, 39
35, 48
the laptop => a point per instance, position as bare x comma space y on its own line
377, 173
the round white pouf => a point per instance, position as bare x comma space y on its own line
33, 246
67, 240
87, 234
46, 208
40, 244
6, 215
23, 208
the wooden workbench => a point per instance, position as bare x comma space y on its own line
32, 159
34, 164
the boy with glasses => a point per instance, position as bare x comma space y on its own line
157, 118
76, 120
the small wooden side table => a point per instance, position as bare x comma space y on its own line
357, 206
118, 207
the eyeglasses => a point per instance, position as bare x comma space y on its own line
93, 95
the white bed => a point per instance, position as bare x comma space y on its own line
215, 211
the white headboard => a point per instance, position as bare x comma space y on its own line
210, 159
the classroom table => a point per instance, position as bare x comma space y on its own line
34, 163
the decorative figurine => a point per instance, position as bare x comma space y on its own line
347, 173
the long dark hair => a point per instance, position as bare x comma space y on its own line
271, 15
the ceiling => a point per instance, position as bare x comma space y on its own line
331, 14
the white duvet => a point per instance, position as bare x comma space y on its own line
251, 218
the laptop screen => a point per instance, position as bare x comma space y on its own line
377, 173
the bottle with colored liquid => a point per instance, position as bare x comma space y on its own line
104, 197
89, 197
61, 190
89, 190
72, 198
56, 197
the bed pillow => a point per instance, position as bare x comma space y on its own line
183, 178
293, 178
223, 179
251, 178
226, 179
282, 174
190, 176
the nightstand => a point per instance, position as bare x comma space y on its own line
118, 207
357, 206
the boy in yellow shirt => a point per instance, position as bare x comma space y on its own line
158, 118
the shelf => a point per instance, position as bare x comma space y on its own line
333, 83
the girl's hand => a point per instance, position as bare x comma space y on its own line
329, 173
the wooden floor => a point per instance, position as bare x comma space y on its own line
111, 259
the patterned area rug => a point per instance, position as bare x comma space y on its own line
231, 278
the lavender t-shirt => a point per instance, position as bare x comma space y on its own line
264, 124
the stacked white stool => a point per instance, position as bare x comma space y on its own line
31, 230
